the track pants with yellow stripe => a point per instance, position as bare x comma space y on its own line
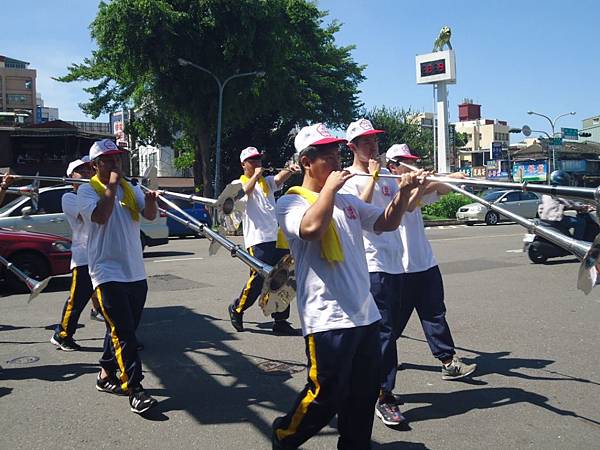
122, 305
79, 295
343, 379
267, 252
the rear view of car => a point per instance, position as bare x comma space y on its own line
39, 255
196, 210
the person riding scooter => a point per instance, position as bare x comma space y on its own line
551, 209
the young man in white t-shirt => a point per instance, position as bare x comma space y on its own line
340, 320
112, 208
423, 286
384, 258
260, 235
81, 284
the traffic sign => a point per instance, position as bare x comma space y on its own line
570, 133
555, 141
496, 150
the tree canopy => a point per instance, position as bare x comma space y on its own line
308, 77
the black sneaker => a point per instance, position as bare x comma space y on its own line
389, 413
283, 328
66, 344
139, 401
96, 315
110, 384
237, 319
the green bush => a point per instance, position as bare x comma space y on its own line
446, 206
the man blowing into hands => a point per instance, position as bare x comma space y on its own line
112, 209
340, 320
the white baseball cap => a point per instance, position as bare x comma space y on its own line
249, 152
75, 164
104, 147
399, 151
316, 134
361, 127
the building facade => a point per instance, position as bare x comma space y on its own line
591, 125
17, 91
481, 133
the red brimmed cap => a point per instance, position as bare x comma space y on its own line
316, 134
362, 127
103, 148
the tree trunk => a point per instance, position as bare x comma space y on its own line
202, 172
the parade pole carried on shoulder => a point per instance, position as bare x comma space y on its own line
279, 288
589, 254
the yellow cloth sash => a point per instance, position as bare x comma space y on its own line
331, 247
261, 181
128, 195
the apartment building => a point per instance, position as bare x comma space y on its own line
17, 91
481, 133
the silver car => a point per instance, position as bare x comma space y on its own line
49, 218
525, 204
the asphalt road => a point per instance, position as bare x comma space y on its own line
533, 335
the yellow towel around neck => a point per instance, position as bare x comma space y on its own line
261, 181
128, 195
331, 247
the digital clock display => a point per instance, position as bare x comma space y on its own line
433, 67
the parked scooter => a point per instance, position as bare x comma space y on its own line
539, 249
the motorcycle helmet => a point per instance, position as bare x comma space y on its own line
560, 178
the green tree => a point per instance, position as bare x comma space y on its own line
400, 128
308, 77
461, 139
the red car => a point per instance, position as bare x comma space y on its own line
39, 255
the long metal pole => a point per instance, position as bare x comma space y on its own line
580, 193
217, 185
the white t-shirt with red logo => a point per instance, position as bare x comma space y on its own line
331, 295
383, 250
78, 228
114, 248
418, 255
259, 222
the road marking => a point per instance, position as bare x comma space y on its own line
176, 259
518, 250
475, 237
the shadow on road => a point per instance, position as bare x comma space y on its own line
158, 254
231, 387
500, 364
58, 372
443, 405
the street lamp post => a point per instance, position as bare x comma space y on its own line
221, 85
552, 125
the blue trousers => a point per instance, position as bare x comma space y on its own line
387, 290
122, 305
267, 252
343, 379
424, 291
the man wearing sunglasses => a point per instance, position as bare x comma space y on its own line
260, 235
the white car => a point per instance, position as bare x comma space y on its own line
49, 218
525, 204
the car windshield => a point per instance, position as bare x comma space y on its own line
8, 206
492, 196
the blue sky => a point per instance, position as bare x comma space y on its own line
512, 56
